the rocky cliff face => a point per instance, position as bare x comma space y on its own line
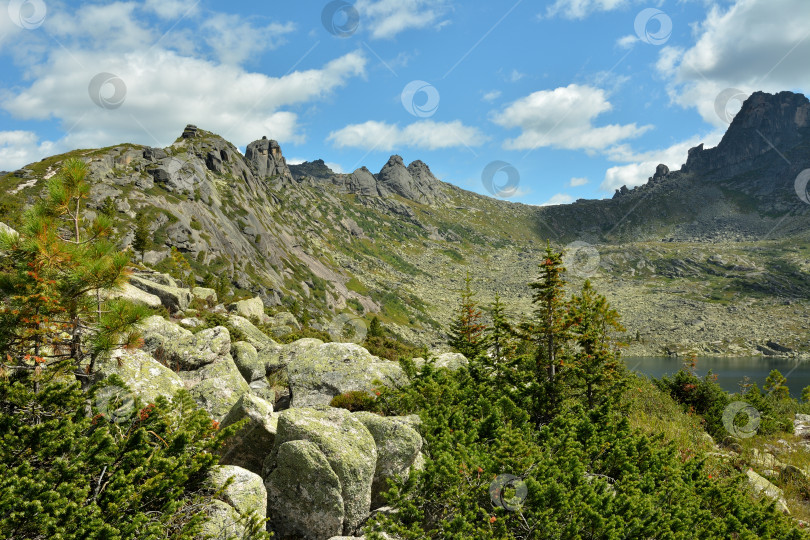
415, 182
265, 157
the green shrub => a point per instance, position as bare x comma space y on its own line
354, 400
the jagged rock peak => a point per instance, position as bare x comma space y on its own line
415, 182
267, 160
764, 122
317, 170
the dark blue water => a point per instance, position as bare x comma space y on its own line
730, 371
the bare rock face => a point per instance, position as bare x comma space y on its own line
395, 178
265, 157
764, 122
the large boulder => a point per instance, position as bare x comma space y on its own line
217, 386
179, 348
318, 373
282, 323
762, 486
204, 293
348, 447
251, 445
223, 522
246, 493
450, 360
173, 298
304, 493
398, 446
250, 308
264, 344
134, 294
145, 376
247, 361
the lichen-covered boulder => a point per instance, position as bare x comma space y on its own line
304, 493
181, 349
247, 361
250, 308
318, 374
223, 522
398, 446
204, 293
282, 323
145, 376
246, 493
217, 386
762, 486
249, 447
348, 447
451, 361
173, 298
134, 294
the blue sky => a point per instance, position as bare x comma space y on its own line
578, 96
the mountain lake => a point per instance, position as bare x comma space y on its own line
730, 371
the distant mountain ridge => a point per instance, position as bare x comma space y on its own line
397, 243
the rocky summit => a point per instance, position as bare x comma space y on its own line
729, 224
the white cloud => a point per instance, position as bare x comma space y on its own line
19, 148
627, 42
752, 45
574, 182
559, 198
424, 134
563, 118
165, 91
384, 19
492, 96
233, 40
516, 75
644, 163
579, 9
172, 9
336, 167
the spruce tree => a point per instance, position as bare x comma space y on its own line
595, 368
500, 337
775, 385
141, 239
467, 329
375, 328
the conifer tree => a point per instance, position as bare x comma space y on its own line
375, 328
775, 385
550, 320
54, 277
500, 338
467, 329
141, 240
595, 367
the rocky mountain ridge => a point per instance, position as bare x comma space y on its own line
397, 243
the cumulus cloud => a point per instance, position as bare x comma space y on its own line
574, 182
384, 19
424, 134
18, 148
642, 164
580, 9
164, 82
165, 91
559, 198
492, 96
563, 118
751, 45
